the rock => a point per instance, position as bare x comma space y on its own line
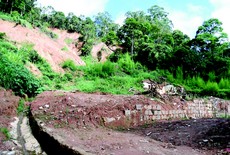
4, 152
108, 119
127, 112
144, 141
40, 108
149, 133
138, 106
11, 153
47, 106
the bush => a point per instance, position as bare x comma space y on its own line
179, 75
87, 47
211, 88
25, 23
126, 64
6, 17
69, 64
195, 82
68, 76
2, 35
224, 83
109, 69
21, 106
18, 78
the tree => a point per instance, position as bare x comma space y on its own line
58, 20
88, 33
104, 24
148, 36
73, 23
210, 43
21, 6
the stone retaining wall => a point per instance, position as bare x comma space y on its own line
142, 114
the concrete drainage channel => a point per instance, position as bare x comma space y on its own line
23, 138
48, 143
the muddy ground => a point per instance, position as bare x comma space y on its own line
202, 134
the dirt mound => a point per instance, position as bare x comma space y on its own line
55, 51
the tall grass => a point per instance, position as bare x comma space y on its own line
111, 77
69, 64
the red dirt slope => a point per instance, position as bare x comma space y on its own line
46, 47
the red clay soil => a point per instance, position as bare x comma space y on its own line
77, 120
8, 110
48, 48
55, 51
105, 51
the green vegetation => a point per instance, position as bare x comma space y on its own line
21, 106
68, 41
149, 48
6, 132
65, 49
113, 77
69, 64
49, 33
18, 78
13, 74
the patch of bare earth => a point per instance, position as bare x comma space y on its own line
49, 49
78, 121
101, 50
8, 110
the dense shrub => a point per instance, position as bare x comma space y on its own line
69, 64
211, 88
224, 83
2, 35
18, 78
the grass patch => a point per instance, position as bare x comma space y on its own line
65, 49
69, 64
21, 106
49, 33
6, 132
68, 41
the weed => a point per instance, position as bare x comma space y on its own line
2, 35
68, 41
65, 49
49, 33
6, 132
69, 64
225, 116
21, 106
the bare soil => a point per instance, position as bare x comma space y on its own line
204, 134
76, 119
49, 49
8, 110
55, 51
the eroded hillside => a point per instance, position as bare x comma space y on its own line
55, 51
